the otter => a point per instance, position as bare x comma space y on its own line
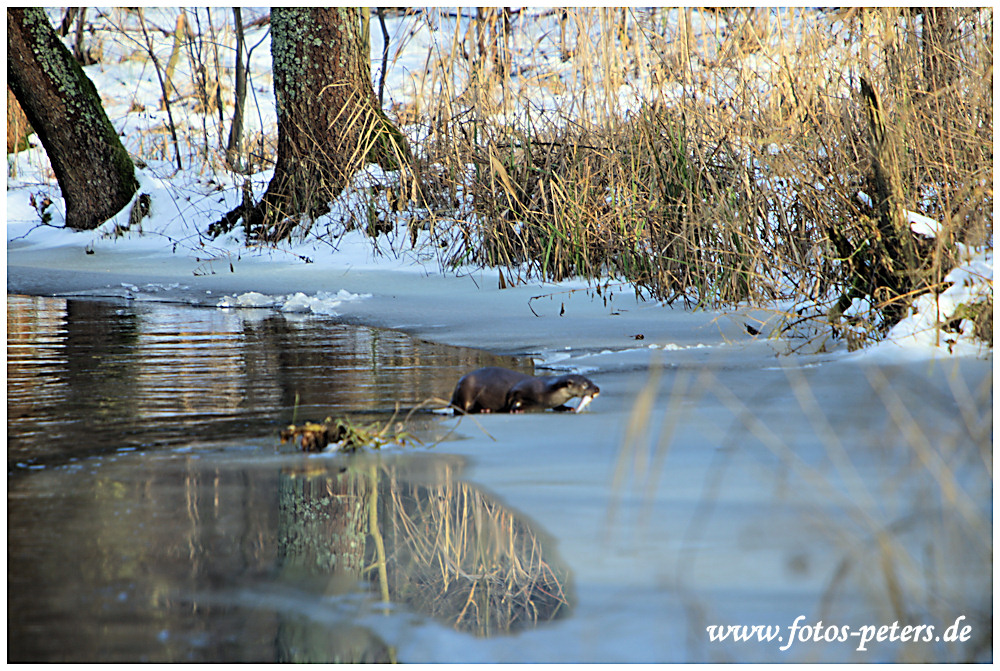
494, 389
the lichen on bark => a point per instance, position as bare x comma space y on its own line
95, 172
329, 120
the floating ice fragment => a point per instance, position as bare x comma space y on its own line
298, 302
251, 299
322, 303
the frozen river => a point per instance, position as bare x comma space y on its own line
153, 514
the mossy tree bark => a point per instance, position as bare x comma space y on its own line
329, 121
95, 172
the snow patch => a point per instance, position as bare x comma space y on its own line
937, 325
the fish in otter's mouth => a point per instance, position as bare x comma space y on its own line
585, 401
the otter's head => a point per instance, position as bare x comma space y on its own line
550, 392
570, 386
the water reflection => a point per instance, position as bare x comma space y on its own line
153, 516
439, 545
89, 377
243, 555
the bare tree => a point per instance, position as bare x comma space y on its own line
233, 161
95, 172
329, 120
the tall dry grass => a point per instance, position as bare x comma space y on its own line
710, 156
460, 556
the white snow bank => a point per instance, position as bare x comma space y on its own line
938, 325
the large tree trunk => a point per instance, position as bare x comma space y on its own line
95, 172
329, 121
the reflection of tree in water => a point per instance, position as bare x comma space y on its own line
322, 529
423, 539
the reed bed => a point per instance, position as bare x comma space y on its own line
710, 156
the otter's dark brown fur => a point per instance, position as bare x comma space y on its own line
496, 389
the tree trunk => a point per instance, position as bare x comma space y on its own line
897, 267
885, 261
235, 144
95, 172
329, 121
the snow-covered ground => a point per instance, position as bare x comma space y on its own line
753, 489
